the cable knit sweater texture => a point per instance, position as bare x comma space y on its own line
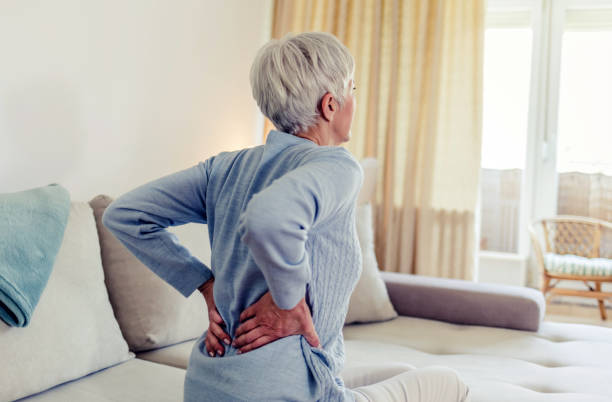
281, 217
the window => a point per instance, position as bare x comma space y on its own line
507, 70
584, 139
547, 123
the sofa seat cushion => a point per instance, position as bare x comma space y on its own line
519, 379
560, 362
174, 355
136, 380
568, 264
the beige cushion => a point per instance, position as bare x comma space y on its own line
151, 313
73, 331
135, 381
369, 301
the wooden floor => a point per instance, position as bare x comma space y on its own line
576, 313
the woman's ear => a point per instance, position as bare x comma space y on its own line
328, 107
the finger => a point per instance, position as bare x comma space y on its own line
211, 345
246, 326
312, 338
248, 312
219, 333
259, 342
209, 350
249, 337
216, 317
214, 344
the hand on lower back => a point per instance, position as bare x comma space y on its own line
263, 322
216, 325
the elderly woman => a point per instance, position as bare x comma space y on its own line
285, 256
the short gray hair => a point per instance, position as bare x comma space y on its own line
290, 76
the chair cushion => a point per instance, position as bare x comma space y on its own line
135, 380
575, 265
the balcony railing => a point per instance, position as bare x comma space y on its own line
582, 194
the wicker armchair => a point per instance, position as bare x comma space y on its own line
574, 248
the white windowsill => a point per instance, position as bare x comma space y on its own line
502, 268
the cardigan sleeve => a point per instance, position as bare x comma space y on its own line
139, 219
276, 221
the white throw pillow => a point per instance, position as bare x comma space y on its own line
368, 188
72, 331
370, 300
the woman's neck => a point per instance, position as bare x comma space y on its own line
317, 134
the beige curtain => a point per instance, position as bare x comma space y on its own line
419, 111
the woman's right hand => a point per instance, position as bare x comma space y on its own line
264, 322
215, 334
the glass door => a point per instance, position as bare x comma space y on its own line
584, 137
507, 72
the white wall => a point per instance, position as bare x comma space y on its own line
102, 96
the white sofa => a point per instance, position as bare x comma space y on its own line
81, 345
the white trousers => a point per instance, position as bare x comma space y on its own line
404, 383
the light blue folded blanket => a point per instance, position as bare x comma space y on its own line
32, 225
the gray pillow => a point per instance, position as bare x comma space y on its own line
150, 312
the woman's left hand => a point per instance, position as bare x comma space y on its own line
215, 334
264, 322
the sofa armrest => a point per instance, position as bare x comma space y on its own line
465, 302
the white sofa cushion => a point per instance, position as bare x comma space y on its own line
493, 378
151, 313
560, 362
73, 331
175, 355
368, 188
135, 381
